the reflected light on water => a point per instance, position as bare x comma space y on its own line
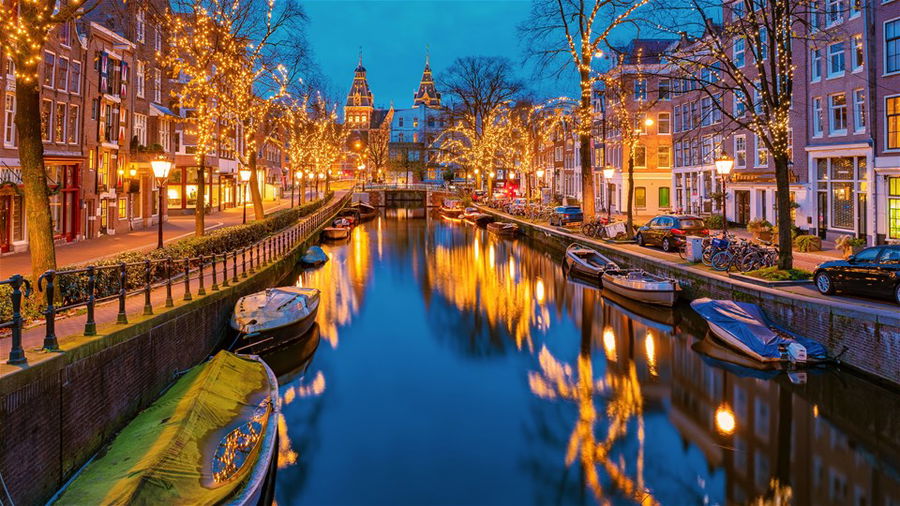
609, 343
725, 422
539, 290
650, 348
286, 456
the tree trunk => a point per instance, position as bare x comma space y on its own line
200, 208
258, 211
327, 181
302, 184
34, 178
587, 179
783, 208
629, 224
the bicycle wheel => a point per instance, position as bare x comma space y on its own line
721, 261
681, 251
707, 255
750, 262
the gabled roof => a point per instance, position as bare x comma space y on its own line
427, 94
644, 51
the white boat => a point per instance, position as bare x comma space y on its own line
504, 229
584, 261
642, 286
340, 230
277, 315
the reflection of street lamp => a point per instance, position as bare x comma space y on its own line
607, 175
245, 177
724, 164
161, 170
725, 421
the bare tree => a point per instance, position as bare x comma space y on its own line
377, 151
570, 34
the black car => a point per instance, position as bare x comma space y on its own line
563, 215
669, 231
873, 272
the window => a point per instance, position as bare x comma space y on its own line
663, 157
705, 111
140, 78
72, 129
892, 46
892, 113
122, 205
75, 78
817, 117
400, 122
415, 123
49, 61
640, 89
855, 8
59, 133
640, 156
814, 16
894, 207
763, 43
739, 49
140, 25
663, 124
157, 39
815, 65
835, 12
740, 151
164, 137
665, 88
9, 118
859, 110
157, 86
737, 10
664, 200
62, 73
64, 34
740, 107
46, 118
836, 59
858, 53
837, 106
640, 197
140, 128
762, 154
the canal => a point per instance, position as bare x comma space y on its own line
450, 366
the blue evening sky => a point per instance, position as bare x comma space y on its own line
393, 35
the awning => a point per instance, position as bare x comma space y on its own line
158, 110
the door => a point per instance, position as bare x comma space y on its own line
742, 206
822, 224
5, 223
104, 216
861, 216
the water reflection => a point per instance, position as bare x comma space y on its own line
471, 371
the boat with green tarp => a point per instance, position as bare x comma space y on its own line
210, 439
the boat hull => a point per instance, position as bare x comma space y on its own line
451, 212
659, 297
336, 233
267, 340
503, 229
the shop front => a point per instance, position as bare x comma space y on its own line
183, 189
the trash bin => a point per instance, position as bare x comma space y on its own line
694, 248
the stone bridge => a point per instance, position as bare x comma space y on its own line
404, 196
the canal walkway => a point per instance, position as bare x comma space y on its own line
70, 326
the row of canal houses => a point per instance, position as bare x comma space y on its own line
845, 128
107, 110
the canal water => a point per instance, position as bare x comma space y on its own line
450, 366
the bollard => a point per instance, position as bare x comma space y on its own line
50, 341
148, 282
169, 301
90, 326
224, 270
202, 289
187, 279
16, 352
123, 278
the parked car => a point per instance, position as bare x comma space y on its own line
873, 272
478, 195
564, 215
669, 231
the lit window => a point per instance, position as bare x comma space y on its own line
892, 114
859, 110
837, 106
858, 53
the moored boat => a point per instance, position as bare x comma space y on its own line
366, 211
279, 315
351, 214
339, 229
314, 256
502, 228
586, 262
640, 285
661, 318
451, 208
469, 214
746, 328
483, 219
210, 439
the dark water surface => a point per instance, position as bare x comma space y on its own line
453, 367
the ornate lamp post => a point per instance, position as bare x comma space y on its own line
245, 177
161, 170
608, 173
724, 164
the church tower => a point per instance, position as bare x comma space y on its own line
427, 95
360, 103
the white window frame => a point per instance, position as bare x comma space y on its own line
139, 128
140, 78
742, 52
75, 85
818, 120
9, 116
815, 65
858, 51
740, 152
64, 122
668, 151
760, 150
832, 131
834, 12
52, 71
75, 130
884, 41
859, 110
58, 70
140, 26
664, 118
157, 85
832, 74
888, 148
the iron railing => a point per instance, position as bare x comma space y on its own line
72, 289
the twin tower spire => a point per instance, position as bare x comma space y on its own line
361, 96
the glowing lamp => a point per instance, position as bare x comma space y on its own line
244, 175
608, 172
161, 168
540, 173
724, 164
648, 122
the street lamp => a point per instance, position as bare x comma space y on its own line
321, 178
608, 173
245, 177
161, 170
540, 184
724, 164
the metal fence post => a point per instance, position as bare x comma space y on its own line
212, 263
224, 270
234, 279
258, 257
243, 262
187, 279
148, 284
90, 326
16, 352
202, 289
50, 341
251, 259
123, 278
169, 301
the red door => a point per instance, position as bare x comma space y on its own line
5, 223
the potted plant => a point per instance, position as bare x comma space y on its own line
760, 228
849, 244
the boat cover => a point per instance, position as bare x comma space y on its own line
747, 323
166, 454
314, 255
